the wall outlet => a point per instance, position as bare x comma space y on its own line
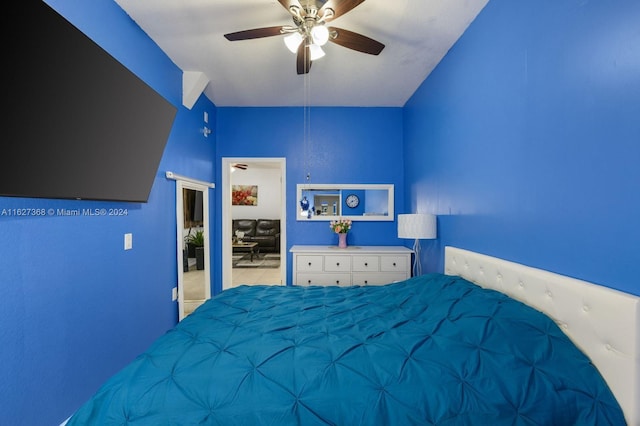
174, 294
128, 241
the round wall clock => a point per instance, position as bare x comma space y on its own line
352, 201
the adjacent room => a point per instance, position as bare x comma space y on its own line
158, 160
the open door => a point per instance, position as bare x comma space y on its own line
278, 192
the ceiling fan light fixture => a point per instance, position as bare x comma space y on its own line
292, 41
309, 31
315, 52
320, 35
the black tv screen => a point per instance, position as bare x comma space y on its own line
79, 124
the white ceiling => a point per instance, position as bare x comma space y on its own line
262, 72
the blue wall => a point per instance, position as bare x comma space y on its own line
75, 306
526, 139
346, 145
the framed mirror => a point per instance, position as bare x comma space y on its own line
363, 202
194, 276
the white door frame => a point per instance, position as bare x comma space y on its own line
226, 244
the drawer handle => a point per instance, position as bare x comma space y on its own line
366, 282
309, 263
338, 282
337, 263
366, 264
308, 281
394, 264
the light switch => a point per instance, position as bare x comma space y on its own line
128, 241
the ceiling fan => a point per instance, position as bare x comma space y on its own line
310, 32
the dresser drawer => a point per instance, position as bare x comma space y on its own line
337, 263
366, 263
340, 279
393, 263
309, 263
377, 278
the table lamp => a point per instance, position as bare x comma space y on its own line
418, 226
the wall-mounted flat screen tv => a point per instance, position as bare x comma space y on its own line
78, 124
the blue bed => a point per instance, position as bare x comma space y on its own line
434, 349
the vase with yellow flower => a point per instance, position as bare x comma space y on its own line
341, 227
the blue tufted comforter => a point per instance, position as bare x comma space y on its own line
430, 350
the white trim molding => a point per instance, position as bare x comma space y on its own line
174, 176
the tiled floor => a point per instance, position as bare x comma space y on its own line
255, 276
194, 295
193, 285
193, 279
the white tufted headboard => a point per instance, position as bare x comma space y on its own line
603, 322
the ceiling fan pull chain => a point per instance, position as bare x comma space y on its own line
307, 123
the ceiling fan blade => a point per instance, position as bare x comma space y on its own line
288, 3
254, 33
355, 41
303, 60
339, 7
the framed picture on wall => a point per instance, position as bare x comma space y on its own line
244, 195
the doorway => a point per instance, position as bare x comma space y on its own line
192, 231
274, 195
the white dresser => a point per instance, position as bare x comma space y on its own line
354, 265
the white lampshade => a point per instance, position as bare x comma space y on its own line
417, 226
292, 41
315, 52
320, 35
